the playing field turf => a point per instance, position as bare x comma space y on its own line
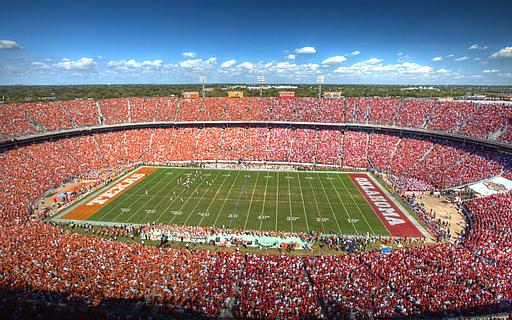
255, 200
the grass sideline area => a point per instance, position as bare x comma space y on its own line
284, 201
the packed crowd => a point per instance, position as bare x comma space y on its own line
44, 262
491, 220
275, 287
417, 164
485, 121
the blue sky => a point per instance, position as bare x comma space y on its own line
388, 42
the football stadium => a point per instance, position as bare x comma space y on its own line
168, 195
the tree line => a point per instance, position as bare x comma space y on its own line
20, 93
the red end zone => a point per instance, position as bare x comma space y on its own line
397, 223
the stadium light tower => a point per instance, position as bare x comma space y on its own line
261, 81
202, 80
320, 80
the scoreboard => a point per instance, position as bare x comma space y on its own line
286, 94
332, 94
235, 94
191, 94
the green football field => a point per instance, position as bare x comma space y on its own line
254, 200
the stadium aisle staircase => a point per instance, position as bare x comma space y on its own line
316, 146
420, 160
101, 117
498, 133
36, 124
129, 111
68, 116
99, 149
398, 111
319, 298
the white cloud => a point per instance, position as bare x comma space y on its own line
197, 63
355, 53
152, 64
227, 64
190, 63
40, 65
503, 53
305, 50
402, 57
282, 66
464, 58
490, 71
134, 66
334, 60
477, 59
374, 66
9, 45
246, 65
373, 61
82, 64
291, 56
477, 46
450, 55
288, 70
311, 66
438, 58
189, 54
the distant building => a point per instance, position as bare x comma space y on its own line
419, 88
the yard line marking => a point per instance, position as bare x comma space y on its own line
303, 205
198, 202
154, 196
290, 201
316, 203
264, 198
165, 197
209, 205
129, 196
233, 213
224, 203
351, 203
173, 200
344, 207
329, 202
358, 207
277, 198
252, 197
